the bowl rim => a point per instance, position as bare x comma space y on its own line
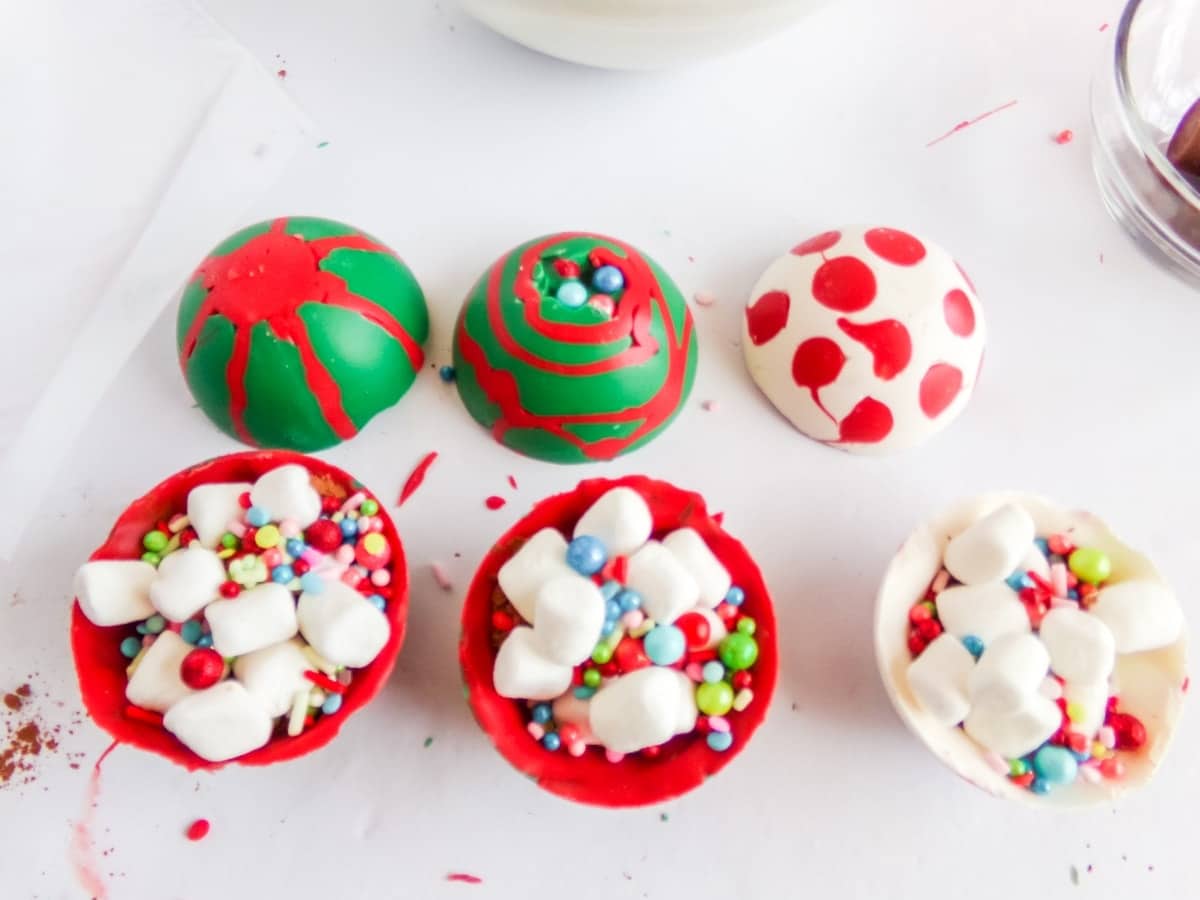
686, 761
100, 668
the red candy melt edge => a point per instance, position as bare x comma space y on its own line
684, 762
100, 667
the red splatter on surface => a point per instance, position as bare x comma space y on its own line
816, 363
895, 246
198, 830
282, 73
960, 315
939, 387
494, 502
767, 316
967, 123
1064, 137
868, 423
818, 244
416, 477
1104, 26
888, 342
844, 283
512, 482
83, 845
464, 877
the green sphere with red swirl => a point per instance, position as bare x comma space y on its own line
294, 333
575, 347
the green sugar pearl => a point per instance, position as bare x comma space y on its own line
746, 626
150, 557
1090, 565
738, 651
714, 699
369, 508
229, 541
602, 654
591, 677
155, 541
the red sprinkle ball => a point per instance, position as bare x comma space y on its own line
494, 502
202, 668
198, 830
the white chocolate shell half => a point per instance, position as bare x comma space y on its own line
1151, 684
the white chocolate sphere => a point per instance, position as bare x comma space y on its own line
867, 339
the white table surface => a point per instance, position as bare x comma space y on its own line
453, 145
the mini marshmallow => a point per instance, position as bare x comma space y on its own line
155, 683
343, 625
541, 558
1010, 670
667, 588
570, 614
1081, 646
187, 581
274, 675
287, 493
691, 550
1092, 700
988, 611
993, 547
254, 619
642, 709
1014, 733
220, 723
938, 679
211, 507
1142, 615
522, 673
620, 519
115, 591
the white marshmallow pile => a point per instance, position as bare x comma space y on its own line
997, 668
567, 616
270, 634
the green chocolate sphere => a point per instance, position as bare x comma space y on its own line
294, 333
573, 348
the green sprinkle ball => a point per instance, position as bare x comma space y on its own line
738, 651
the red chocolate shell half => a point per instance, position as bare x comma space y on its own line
637, 780
100, 666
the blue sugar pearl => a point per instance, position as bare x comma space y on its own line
349, 527
608, 279
141, 628
586, 555
713, 671
583, 692
257, 516
1043, 546
191, 631
735, 596
311, 584
719, 740
572, 293
282, 574
612, 610
377, 601
542, 713
551, 741
131, 647
1081, 755
1057, 765
1072, 594
973, 644
447, 374
610, 589
294, 547
664, 644
1016, 580
629, 600
1040, 786
609, 626
205, 640
332, 704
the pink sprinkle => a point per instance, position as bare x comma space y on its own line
381, 578
577, 748
1107, 737
494, 502
704, 298
695, 671
1089, 773
536, 731
1058, 579
289, 528
175, 627
236, 528
940, 582
709, 405
512, 481
1064, 137
441, 576
344, 554
1104, 26
719, 724
613, 756
282, 73
354, 501
1062, 602
147, 640
996, 763
633, 618
464, 878
312, 557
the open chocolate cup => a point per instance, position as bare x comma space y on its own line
100, 666
1151, 683
684, 762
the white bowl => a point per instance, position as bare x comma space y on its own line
637, 34
1151, 684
